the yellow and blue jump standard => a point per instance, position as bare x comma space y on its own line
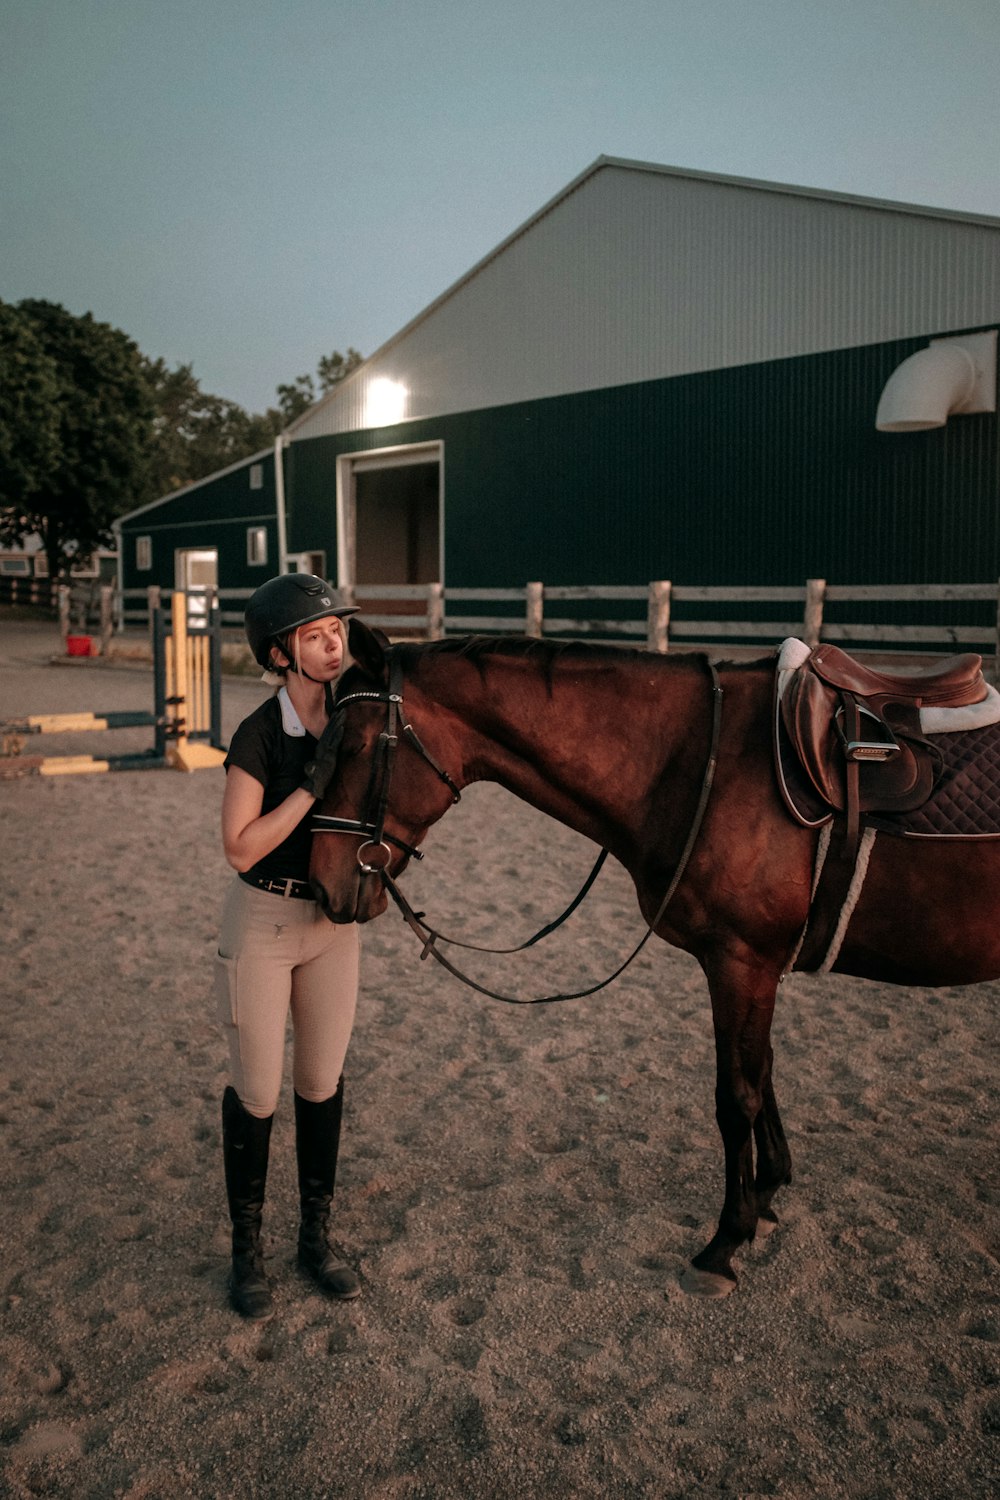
186, 717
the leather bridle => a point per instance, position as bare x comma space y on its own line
370, 827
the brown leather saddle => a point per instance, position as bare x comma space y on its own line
856, 732
848, 744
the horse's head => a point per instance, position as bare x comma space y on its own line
392, 783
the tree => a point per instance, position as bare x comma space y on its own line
196, 433
93, 377
296, 398
90, 428
29, 420
332, 368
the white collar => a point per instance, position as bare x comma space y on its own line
290, 721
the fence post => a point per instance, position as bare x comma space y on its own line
215, 670
152, 604
658, 617
812, 624
534, 605
435, 611
64, 611
160, 645
107, 616
179, 698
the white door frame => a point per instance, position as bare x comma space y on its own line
350, 464
197, 593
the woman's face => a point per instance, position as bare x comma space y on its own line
318, 649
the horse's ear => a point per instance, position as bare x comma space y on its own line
368, 648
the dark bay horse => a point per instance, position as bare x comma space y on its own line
615, 744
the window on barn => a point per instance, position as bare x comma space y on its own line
144, 553
41, 565
256, 546
256, 476
15, 567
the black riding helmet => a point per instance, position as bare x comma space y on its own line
284, 603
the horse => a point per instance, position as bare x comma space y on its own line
667, 762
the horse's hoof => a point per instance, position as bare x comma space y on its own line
767, 1223
706, 1283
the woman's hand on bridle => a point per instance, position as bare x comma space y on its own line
321, 771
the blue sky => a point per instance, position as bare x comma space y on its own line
247, 185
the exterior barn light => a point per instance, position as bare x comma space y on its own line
385, 402
951, 376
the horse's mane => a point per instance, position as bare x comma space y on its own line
473, 647
548, 654
476, 648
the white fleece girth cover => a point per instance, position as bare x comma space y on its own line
865, 848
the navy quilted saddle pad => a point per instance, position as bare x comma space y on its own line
965, 802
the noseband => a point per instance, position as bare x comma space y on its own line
370, 827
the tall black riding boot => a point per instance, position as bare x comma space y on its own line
245, 1144
317, 1140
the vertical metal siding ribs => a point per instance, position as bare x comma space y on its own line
642, 276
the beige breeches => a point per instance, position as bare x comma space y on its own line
279, 956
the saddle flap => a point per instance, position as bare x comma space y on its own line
808, 710
809, 713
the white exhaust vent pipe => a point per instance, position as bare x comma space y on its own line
950, 377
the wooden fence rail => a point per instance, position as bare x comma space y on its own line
662, 615
18, 589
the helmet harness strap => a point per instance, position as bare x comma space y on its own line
289, 647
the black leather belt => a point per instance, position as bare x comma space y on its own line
299, 890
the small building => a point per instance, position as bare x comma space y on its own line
24, 577
662, 374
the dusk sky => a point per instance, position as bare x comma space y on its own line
246, 185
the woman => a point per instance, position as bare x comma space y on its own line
277, 951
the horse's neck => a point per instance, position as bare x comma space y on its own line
587, 746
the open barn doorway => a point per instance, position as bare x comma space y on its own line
389, 512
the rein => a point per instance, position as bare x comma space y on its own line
373, 832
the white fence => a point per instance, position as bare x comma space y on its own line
926, 618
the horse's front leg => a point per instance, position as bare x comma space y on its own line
743, 992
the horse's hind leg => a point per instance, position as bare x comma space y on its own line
742, 1007
774, 1160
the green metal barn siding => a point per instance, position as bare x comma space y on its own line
213, 513
767, 474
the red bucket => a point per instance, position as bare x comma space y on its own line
79, 645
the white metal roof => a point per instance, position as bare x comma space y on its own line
636, 271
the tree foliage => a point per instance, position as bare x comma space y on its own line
90, 428
29, 413
197, 433
88, 460
296, 398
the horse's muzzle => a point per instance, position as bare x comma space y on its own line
364, 900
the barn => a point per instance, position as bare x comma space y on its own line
662, 374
